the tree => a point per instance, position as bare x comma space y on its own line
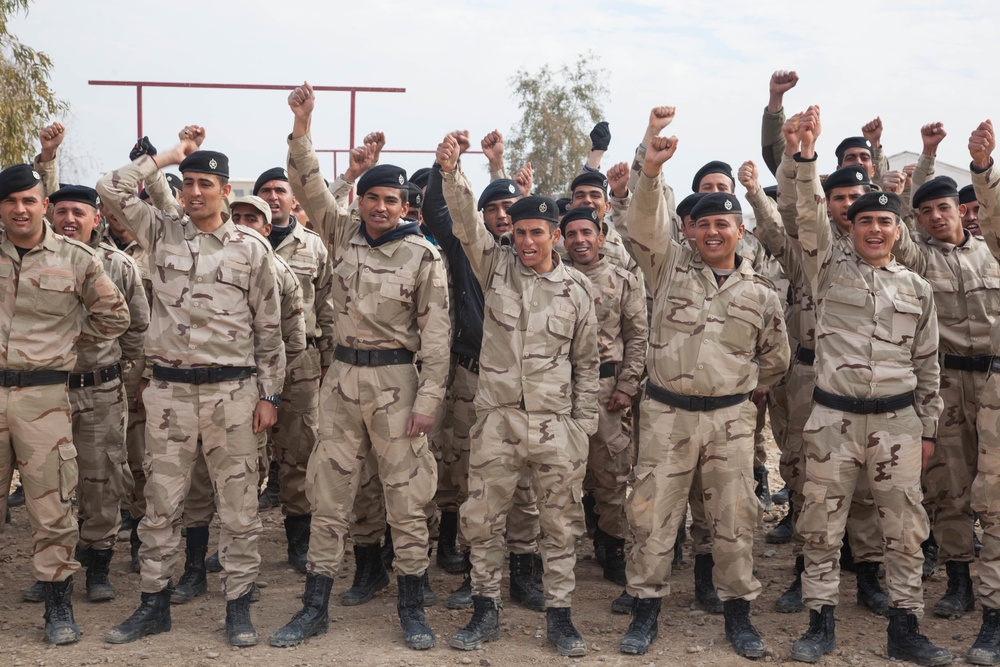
26, 101
559, 108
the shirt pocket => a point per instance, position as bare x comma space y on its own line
842, 306
172, 273
56, 293
560, 324
742, 326
396, 295
945, 288
683, 310
503, 306
6, 279
906, 313
235, 273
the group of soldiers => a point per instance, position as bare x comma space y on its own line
502, 369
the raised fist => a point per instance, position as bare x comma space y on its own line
749, 176
981, 144
492, 145
51, 137
782, 81
600, 136
872, 131
302, 100
618, 177
660, 117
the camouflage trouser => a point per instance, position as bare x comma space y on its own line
99, 436
36, 433
506, 442
213, 422
759, 452
842, 449
674, 444
448, 449
296, 432
947, 479
777, 409
610, 464
986, 492
135, 441
199, 505
363, 409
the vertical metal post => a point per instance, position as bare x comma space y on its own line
138, 111
354, 97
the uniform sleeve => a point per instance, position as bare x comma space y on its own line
815, 236
293, 319
331, 221
323, 303
987, 186
138, 308
49, 171
772, 351
479, 245
341, 190
635, 334
908, 252
881, 164
772, 139
786, 196
927, 400
107, 312
436, 215
497, 174
584, 358
118, 192
265, 310
434, 324
649, 223
770, 229
161, 194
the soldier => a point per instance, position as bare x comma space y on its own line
390, 302
536, 404
717, 333
968, 206
876, 406
213, 328
56, 299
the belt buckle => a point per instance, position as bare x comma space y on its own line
881, 405
10, 378
698, 403
363, 357
202, 375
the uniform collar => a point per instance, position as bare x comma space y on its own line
557, 274
223, 233
593, 268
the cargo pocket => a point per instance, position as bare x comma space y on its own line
69, 473
118, 466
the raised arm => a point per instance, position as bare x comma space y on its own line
51, 137
772, 141
872, 131
770, 229
986, 181
815, 236
492, 145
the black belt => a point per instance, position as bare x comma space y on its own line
806, 356
31, 378
609, 370
100, 376
863, 406
470, 364
372, 357
980, 363
692, 403
207, 375
312, 342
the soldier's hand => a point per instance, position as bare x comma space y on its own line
192, 134
759, 395
782, 81
894, 181
51, 137
926, 452
143, 383
809, 126
618, 177
791, 132
660, 117
377, 140
659, 151
419, 425
142, 147
749, 177
264, 416
600, 136
872, 131
619, 401
302, 101
981, 145
908, 174
360, 160
447, 153
525, 179
492, 145
932, 134
462, 138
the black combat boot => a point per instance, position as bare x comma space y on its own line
213, 564
959, 597
740, 631
614, 560
704, 588
986, 649
34, 594
623, 604
430, 599
449, 558
239, 627
410, 605
561, 632
312, 619
134, 543
297, 531
99, 588
16, 499
193, 581
906, 642
152, 617
268, 498
782, 531
644, 628
870, 593
388, 551
601, 546
522, 586
60, 628
461, 597
369, 575
790, 601
781, 496
819, 639
930, 549
484, 626
679, 543
761, 489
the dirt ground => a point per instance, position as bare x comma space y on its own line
370, 635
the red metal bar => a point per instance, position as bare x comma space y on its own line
388, 150
138, 111
246, 86
354, 97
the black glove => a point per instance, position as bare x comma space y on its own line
600, 137
142, 147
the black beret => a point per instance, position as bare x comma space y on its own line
420, 176
415, 195
936, 188
967, 195
563, 204
272, 174
18, 178
593, 178
78, 193
206, 162
175, 181
716, 203
713, 167
849, 143
580, 213
382, 176
848, 177
875, 201
687, 205
502, 188
534, 208
772, 192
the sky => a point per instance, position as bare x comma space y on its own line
909, 63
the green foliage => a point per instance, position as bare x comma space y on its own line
27, 103
559, 108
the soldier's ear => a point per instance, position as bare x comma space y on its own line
226, 189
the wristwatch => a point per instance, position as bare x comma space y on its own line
273, 399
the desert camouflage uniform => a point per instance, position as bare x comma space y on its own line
876, 337
536, 404
705, 341
390, 297
54, 302
212, 306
